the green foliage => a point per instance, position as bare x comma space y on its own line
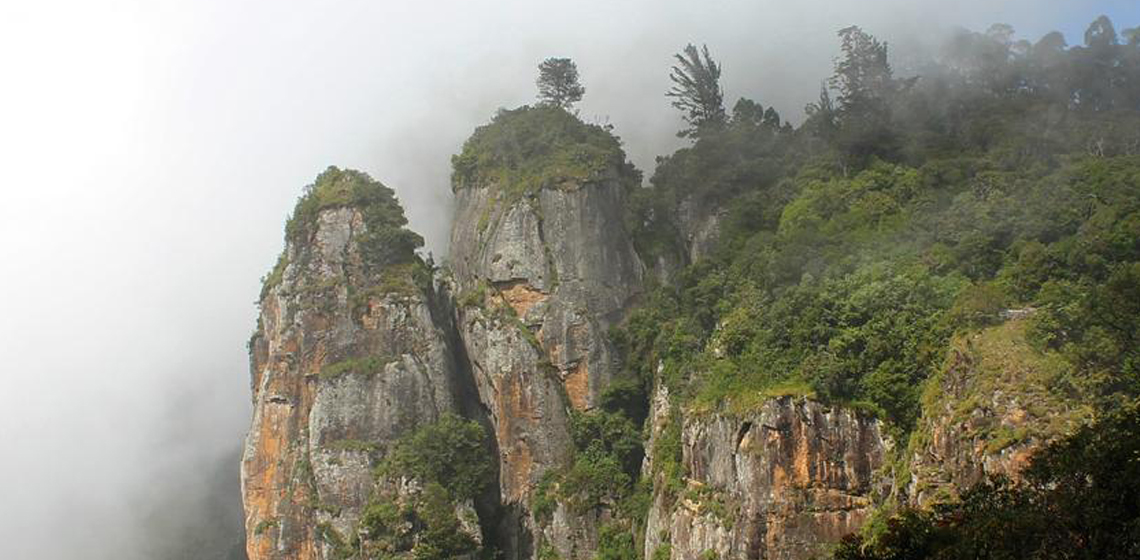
626, 396
387, 247
368, 365
866, 85
558, 83
442, 537
668, 454
451, 452
341, 549
978, 305
1078, 500
544, 499
385, 524
714, 502
423, 528
615, 542
607, 459
385, 242
273, 279
696, 90
848, 286
265, 525
530, 148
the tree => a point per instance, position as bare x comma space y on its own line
1101, 34
1131, 36
821, 115
696, 90
1098, 68
451, 452
558, 83
865, 83
863, 76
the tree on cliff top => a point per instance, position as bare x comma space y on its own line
558, 83
866, 87
696, 90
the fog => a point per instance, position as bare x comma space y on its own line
151, 150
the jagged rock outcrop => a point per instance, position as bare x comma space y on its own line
781, 482
541, 278
993, 404
347, 358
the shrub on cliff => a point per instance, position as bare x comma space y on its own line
1078, 499
530, 148
386, 242
451, 452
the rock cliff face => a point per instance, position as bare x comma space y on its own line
344, 361
541, 279
699, 225
989, 409
782, 482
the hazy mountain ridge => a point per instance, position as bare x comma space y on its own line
751, 358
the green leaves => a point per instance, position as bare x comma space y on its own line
1078, 499
530, 148
451, 452
558, 83
696, 90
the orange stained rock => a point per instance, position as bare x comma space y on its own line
801, 460
521, 296
577, 384
514, 408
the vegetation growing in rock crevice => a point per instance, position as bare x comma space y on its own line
452, 452
449, 463
603, 476
1078, 499
369, 365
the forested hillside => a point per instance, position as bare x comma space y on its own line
904, 223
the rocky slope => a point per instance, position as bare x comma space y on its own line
994, 403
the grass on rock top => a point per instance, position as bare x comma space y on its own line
524, 150
385, 242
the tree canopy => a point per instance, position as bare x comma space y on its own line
558, 83
696, 90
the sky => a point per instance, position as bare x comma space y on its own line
151, 150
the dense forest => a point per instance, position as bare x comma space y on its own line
905, 213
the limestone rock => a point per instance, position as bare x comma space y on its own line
542, 278
340, 369
782, 482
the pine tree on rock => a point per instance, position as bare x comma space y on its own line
558, 83
696, 90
